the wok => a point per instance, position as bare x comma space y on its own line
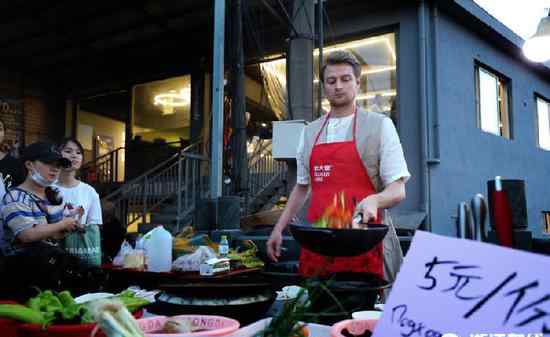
339, 242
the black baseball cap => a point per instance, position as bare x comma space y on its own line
45, 152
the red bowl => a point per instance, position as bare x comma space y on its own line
63, 330
8, 327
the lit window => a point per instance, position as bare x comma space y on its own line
492, 103
543, 115
378, 82
161, 109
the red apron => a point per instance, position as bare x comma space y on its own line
333, 168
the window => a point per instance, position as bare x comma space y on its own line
543, 118
161, 109
378, 82
546, 222
493, 112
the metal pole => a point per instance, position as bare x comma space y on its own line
197, 106
423, 101
238, 105
321, 42
217, 100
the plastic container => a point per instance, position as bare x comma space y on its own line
158, 249
210, 326
354, 326
223, 248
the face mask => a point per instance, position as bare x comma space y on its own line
39, 179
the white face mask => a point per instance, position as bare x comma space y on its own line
39, 179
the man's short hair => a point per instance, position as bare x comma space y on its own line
341, 57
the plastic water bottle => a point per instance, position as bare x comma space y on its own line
223, 248
159, 250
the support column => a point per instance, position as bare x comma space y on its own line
217, 100
300, 69
300, 61
197, 103
238, 101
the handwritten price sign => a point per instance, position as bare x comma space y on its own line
456, 287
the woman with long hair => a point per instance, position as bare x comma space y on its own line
78, 194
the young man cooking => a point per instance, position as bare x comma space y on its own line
355, 152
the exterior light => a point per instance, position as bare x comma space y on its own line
537, 48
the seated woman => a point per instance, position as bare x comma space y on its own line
33, 221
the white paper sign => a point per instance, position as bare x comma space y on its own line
451, 287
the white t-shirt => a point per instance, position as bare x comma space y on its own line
83, 195
392, 160
2, 188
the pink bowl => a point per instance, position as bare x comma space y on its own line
354, 326
211, 325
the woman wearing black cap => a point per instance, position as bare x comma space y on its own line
32, 213
33, 222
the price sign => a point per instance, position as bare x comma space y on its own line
451, 287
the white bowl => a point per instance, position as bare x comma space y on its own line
92, 297
367, 314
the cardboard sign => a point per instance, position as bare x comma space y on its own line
451, 287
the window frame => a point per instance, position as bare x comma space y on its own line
546, 100
504, 96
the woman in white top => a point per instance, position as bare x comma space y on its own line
74, 191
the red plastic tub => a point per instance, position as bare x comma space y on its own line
62, 330
8, 327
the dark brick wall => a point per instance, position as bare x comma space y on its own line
30, 113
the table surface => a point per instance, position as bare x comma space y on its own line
179, 275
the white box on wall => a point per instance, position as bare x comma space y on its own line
286, 136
